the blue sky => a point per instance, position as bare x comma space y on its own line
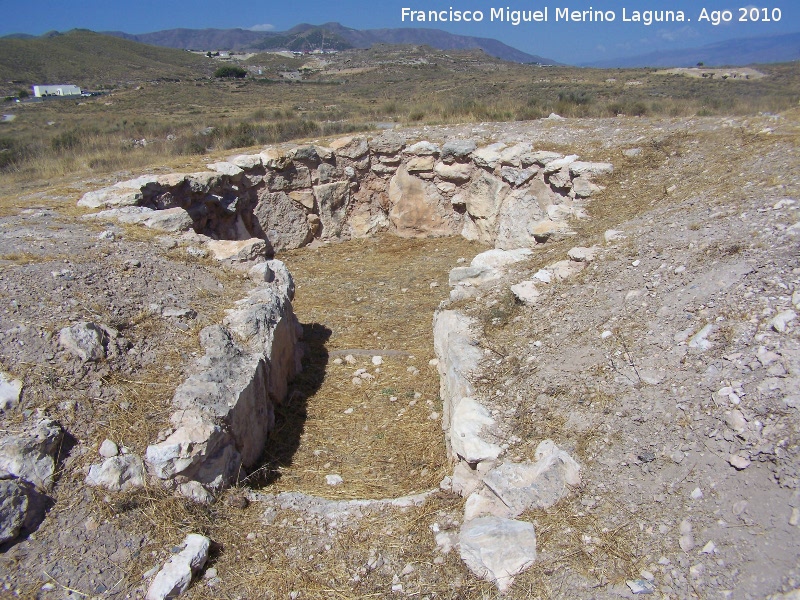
569, 42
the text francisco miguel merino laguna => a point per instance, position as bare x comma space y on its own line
543, 15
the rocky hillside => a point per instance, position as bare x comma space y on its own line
90, 59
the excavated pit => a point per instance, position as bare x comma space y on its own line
362, 419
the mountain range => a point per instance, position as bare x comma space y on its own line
328, 36
735, 52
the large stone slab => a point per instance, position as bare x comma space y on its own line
416, 206
458, 357
497, 549
175, 576
350, 147
471, 423
483, 199
239, 251
333, 200
225, 408
526, 486
520, 211
281, 220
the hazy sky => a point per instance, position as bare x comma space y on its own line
571, 42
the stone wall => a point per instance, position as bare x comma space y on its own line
507, 196
224, 410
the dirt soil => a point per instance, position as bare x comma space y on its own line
607, 364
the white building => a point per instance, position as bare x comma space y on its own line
40, 91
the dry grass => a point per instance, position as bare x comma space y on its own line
599, 543
379, 436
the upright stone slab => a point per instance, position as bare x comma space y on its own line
416, 206
333, 200
282, 221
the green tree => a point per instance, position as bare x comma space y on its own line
230, 71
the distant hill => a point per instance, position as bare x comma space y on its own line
736, 52
196, 39
331, 36
89, 59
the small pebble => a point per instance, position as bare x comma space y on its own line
334, 479
108, 449
377, 360
739, 507
696, 494
640, 586
709, 548
738, 462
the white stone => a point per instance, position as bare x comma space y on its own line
334, 480
377, 361
10, 391
558, 164
709, 548
485, 504
580, 254
247, 162
640, 586
470, 421
591, 169
526, 292
488, 156
699, 340
524, 486
497, 549
564, 269
496, 259
174, 577
735, 420
225, 168
30, 454
422, 149
194, 491
543, 275
84, 340
118, 473
108, 449
238, 251
780, 321
686, 542
738, 462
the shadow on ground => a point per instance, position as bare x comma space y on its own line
290, 416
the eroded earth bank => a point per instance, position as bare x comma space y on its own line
546, 359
